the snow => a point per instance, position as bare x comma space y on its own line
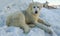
51, 16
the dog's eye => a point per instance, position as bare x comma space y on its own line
34, 7
37, 7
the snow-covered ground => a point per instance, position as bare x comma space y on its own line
51, 16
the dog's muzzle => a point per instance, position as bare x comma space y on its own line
36, 12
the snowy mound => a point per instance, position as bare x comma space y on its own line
16, 31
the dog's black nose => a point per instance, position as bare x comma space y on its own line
36, 12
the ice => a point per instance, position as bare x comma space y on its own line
51, 16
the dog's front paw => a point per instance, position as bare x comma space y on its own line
48, 25
49, 31
26, 30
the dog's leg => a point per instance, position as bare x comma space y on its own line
31, 25
43, 22
47, 29
25, 28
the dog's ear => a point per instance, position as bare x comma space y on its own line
30, 4
41, 5
29, 7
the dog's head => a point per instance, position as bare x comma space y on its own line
35, 7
